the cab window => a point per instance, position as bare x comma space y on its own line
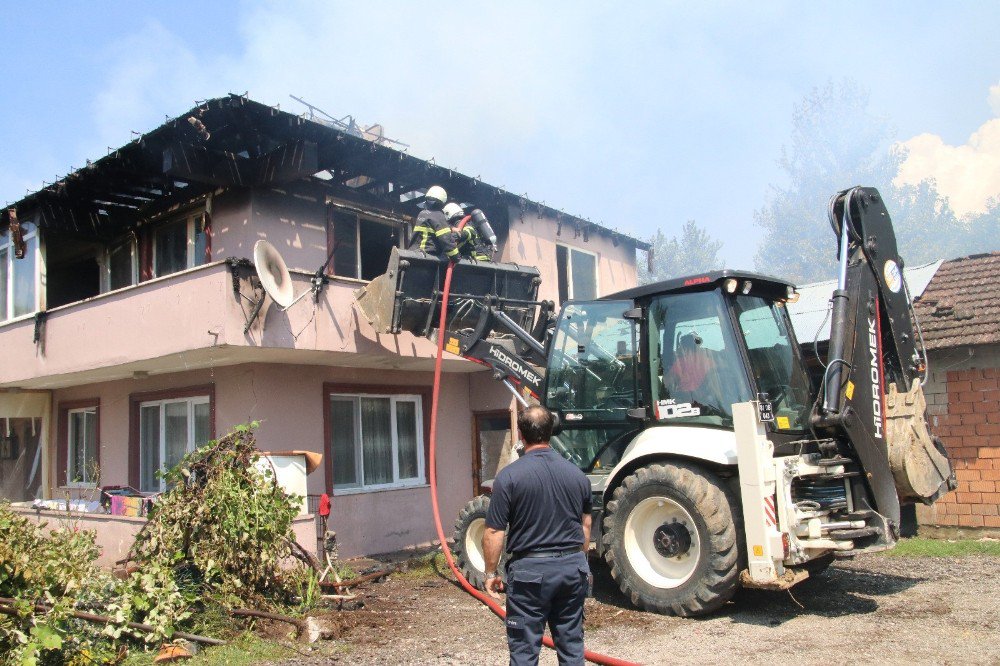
697, 371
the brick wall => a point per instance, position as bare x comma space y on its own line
963, 399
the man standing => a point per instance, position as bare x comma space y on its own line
542, 502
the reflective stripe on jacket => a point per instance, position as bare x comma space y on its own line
431, 234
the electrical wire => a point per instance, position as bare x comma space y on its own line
435, 394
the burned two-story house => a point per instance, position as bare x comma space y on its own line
129, 331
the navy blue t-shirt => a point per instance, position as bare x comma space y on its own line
542, 497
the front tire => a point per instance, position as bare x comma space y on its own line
671, 540
468, 535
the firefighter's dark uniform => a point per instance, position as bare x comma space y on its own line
471, 245
539, 500
431, 234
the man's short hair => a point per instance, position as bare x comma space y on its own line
535, 424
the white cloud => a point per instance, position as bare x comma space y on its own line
969, 175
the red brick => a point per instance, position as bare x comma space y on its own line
966, 497
959, 386
973, 419
970, 521
991, 372
977, 440
962, 407
947, 520
960, 509
963, 431
987, 428
984, 384
982, 464
969, 452
985, 510
991, 521
967, 474
990, 474
989, 452
971, 396
985, 407
991, 498
953, 375
993, 417
982, 486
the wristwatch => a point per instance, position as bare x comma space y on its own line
491, 576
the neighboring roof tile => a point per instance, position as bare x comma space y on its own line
961, 305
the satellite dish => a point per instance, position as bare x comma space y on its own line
273, 274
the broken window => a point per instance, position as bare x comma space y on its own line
20, 458
376, 441
18, 277
168, 429
81, 459
577, 271
180, 244
362, 244
121, 268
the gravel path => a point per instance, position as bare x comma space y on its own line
872, 609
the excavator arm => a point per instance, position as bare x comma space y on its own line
871, 390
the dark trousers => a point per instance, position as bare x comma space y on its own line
546, 591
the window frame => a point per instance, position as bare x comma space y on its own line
63, 476
570, 249
419, 394
6, 243
130, 240
136, 402
400, 225
191, 259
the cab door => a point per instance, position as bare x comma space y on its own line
592, 380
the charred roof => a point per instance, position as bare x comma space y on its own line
234, 141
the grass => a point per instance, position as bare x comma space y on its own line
425, 566
245, 649
922, 547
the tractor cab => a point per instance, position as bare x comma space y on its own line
680, 352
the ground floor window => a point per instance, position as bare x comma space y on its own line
376, 441
81, 459
168, 429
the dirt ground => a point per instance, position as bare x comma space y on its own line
912, 610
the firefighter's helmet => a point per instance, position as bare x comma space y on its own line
436, 193
453, 212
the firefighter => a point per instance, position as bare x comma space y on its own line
470, 243
431, 233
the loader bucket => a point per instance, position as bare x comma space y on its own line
407, 296
920, 468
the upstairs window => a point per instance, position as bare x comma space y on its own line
18, 277
361, 245
120, 265
577, 271
180, 244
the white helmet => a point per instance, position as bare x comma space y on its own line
437, 193
452, 211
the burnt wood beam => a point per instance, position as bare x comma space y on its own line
294, 160
195, 163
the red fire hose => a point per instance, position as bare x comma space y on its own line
493, 605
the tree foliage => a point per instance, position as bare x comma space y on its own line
695, 251
836, 143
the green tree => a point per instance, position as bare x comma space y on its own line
837, 143
694, 251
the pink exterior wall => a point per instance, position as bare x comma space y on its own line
289, 402
533, 241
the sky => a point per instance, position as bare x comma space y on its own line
636, 115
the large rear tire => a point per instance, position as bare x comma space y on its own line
468, 550
671, 540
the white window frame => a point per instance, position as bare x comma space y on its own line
394, 399
570, 249
190, 446
106, 263
191, 260
6, 243
402, 227
70, 454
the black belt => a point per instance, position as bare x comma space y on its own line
544, 553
